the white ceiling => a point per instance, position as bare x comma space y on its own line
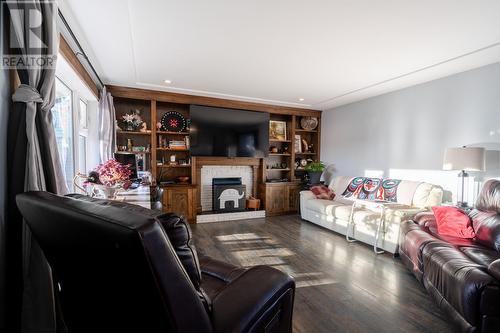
277, 51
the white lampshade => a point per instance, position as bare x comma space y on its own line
464, 158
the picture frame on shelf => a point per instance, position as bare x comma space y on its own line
298, 144
277, 130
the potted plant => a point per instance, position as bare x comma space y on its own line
314, 171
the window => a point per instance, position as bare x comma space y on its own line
75, 123
62, 114
82, 154
83, 115
82, 136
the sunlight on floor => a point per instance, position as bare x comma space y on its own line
251, 249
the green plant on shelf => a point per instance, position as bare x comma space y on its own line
317, 166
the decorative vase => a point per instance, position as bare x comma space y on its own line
105, 192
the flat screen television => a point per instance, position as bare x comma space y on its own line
228, 132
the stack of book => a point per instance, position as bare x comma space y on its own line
177, 145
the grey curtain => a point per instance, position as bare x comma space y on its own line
34, 165
107, 127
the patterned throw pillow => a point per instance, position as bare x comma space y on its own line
354, 187
390, 187
322, 192
370, 190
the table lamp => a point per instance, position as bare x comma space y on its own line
463, 159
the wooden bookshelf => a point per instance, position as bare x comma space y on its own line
184, 198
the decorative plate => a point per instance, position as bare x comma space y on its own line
309, 123
173, 121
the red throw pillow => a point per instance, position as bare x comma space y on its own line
451, 221
322, 192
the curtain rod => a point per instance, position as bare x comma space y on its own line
81, 51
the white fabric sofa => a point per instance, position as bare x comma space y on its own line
412, 197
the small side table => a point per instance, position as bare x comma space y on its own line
377, 206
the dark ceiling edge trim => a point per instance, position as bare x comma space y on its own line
408, 74
80, 48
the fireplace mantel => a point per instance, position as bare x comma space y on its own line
199, 162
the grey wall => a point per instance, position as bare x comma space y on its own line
403, 134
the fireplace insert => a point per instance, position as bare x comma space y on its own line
228, 195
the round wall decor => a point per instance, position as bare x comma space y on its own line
309, 123
173, 121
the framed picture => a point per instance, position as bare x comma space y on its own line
298, 144
277, 130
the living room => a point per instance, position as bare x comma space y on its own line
265, 166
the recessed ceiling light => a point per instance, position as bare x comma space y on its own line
301, 99
167, 81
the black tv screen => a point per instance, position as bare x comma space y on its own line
228, 132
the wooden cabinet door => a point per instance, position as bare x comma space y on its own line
292, 198
179, 201
276, 199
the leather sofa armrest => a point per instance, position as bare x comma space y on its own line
494, 269
307, 195
259, 298
425, 219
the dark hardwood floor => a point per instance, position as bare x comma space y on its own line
341, 287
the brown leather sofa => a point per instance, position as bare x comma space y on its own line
462, 275
123, 268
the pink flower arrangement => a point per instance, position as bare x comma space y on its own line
113, 173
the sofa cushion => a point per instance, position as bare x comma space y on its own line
427, 195
454, 241
456, 278
452, 221
480, 255
406, 191
322, 206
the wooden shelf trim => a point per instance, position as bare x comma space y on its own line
306, 131
173, 166
168, 149
172, 133
271, 169
163, 96
280, 141
133, 152
133, 132
278, 154
305, 154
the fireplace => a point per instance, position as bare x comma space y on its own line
228, 195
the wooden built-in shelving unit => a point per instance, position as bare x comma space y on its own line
154, 104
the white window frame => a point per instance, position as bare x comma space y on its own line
77, 130
81, 131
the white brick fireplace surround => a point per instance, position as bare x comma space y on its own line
222, 171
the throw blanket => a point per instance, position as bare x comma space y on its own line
373, 189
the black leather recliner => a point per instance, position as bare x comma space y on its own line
123, 268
